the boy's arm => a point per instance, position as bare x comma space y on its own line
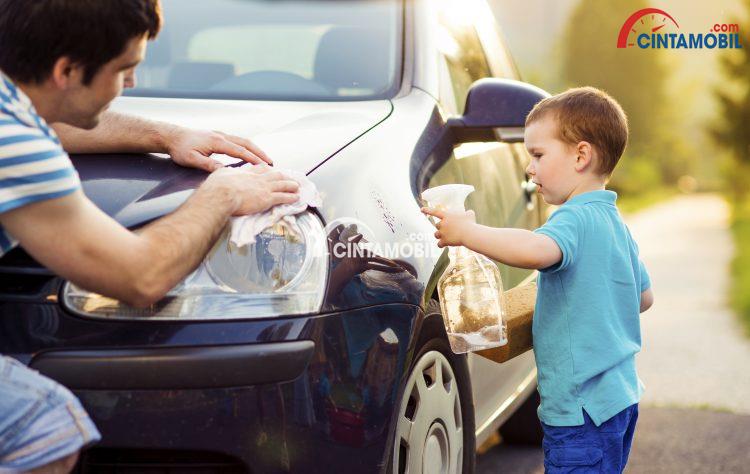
515, 247
647, 299
121, 133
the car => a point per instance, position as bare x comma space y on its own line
287, 355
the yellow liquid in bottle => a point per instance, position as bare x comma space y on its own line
472, 303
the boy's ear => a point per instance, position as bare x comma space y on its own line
585, 156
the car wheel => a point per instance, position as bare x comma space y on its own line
435, 420
523, 427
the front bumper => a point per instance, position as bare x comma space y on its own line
311, 394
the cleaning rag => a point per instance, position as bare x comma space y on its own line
246, 228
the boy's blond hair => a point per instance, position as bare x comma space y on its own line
591, 115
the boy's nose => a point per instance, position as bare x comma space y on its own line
530, 170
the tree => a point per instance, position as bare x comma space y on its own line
732, 129
636, 78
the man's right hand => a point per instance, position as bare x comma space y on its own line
75, 239
253, 189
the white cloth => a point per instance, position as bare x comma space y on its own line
245, 228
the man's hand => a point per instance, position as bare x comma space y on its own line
139, 268
253, 189
452, 226
121, 133
193, 148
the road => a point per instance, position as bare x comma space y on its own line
695, 413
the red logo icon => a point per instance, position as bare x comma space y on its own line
647, 20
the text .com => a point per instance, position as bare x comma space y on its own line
725, 28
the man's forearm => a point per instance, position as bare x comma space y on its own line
515, 247
177, 243
116, 133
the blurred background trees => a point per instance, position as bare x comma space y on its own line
689, 110
731, 131
636, 78
732, 127
667, 94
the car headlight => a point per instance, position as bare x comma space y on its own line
282, 273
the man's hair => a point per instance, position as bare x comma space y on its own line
591, 115
34, 34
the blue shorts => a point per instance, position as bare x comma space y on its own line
589, 448
40, 420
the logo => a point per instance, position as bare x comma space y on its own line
652, 28
350, 238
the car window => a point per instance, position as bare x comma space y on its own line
497, 54
462, 51
498, 199
295, 50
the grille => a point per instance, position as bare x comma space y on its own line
142, 461
21, 276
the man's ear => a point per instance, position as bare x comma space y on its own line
584, 156
65, 73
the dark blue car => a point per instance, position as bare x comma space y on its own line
288, 356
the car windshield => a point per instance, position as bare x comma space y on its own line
274, 49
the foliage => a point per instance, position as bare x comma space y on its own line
731, 130
732, 133
739, 293
657, 152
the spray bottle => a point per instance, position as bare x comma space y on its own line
470, 289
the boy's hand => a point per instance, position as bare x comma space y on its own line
452, 225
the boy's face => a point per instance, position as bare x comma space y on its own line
552, 165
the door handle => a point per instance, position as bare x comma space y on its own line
529, 188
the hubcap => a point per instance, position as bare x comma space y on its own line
429, 433
435, 455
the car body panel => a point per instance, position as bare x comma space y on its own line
296, 135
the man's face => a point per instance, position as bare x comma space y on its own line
553, 161
84, 104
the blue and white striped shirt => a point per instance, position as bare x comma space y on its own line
33, 165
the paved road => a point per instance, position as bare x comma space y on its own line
694, 352
668, 440
695, 362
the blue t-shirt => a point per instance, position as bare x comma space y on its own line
587, 319
33, 165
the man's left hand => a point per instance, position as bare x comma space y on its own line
193, 148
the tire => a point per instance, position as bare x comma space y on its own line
523, 427
425, 439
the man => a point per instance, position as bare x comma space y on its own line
63, 62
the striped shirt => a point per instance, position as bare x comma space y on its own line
33, 165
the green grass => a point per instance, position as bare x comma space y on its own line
739, 292
629, 203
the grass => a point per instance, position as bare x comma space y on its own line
630, 203
739, 291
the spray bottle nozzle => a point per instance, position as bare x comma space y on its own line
449, 197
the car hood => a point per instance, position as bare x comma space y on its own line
298, 135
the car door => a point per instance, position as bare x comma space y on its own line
496, 170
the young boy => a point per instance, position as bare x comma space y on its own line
591, 287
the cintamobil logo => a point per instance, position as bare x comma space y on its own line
655, 29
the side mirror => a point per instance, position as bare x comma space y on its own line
496, 104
